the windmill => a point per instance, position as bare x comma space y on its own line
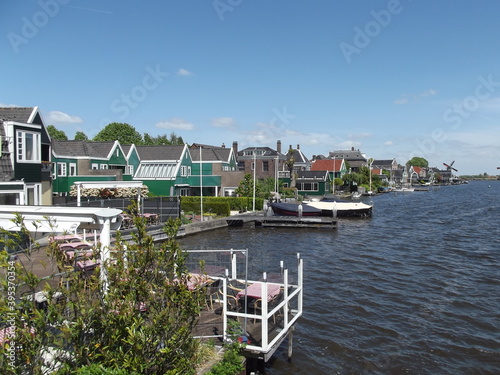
449, 169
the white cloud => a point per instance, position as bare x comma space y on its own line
184, 72
175, 123
61, 118
8, 105
406, 98
388, 143
401, 101
429, 92
223, 122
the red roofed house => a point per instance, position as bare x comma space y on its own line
336, 167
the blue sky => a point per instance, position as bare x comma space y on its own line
395, 79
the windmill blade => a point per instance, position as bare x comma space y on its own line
456, 170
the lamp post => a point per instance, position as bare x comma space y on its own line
254, 177
201, 186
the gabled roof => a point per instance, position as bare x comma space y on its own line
160, 153
298, 156
210, 154
331, 165
264, 152
383, 163
18, 114
347, 155
79, 149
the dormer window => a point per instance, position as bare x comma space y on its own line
28, 147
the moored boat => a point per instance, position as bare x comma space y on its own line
292, 209
341, 208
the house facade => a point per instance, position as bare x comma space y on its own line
25, 159
165, 169
335, 167
296, 157
86, 161
221, 176
264, 162
354, 158
313, 183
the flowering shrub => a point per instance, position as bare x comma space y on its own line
108, 193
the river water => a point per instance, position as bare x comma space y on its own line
413, 290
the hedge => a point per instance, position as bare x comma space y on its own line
233, 204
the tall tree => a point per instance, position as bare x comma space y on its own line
245, 189
81, 136
162, 140
418, 162
56, 133
121, 132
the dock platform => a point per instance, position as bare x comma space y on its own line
284, 221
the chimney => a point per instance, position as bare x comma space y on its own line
235, 148
352, 148
298, 147
223, 145
278, 146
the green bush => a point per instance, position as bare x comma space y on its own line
100, 370
217, 205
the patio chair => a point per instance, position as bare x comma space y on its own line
212, 293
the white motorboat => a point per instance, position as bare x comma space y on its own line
340, 208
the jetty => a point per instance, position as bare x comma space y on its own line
265, 308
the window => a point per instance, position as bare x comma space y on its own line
265, 166
28, 147
131, 170
104, 166
184, 171
72, 169
61, 169
95, 166
308, 186
156, 170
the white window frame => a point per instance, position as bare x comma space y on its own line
72, 169
184, 171
131, 170
22, 152
104, 166
62, 171
95, 166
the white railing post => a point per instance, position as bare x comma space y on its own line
265, 332
224, 308
300, 283
285, 299
233, 265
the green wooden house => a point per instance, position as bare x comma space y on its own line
165, 169
220, 174
313, 183
86, 161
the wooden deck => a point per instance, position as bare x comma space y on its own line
320, 222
